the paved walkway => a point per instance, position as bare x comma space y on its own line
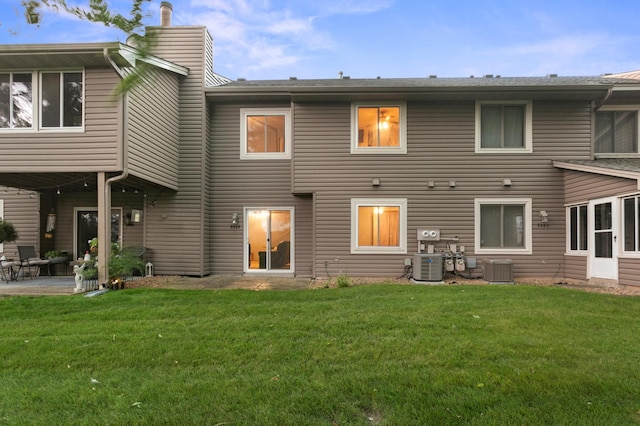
44, 285
38, 286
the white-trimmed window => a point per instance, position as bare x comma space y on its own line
61, 99
265, 133
46, 100
378, 128
578, 230
503, 226
504, 126
16, 100
616, 132
631, 221
379, 225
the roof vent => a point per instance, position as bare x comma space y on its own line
552, 75
293, 78
165, 13
433, 76
242, 79
488, 76
346, 77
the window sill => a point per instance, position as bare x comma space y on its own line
513, 251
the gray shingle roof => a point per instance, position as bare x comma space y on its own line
468, 82
618, 164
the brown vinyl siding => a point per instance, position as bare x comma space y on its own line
440, 148
153, 129
629, 272
249, 183
575, 267
22, 210
98, 147
67, 202
175, 226
581, 187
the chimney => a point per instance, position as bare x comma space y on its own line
165, 13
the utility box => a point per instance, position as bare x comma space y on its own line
498, 271
428, 267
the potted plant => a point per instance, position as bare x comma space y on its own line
56, 256
8, 232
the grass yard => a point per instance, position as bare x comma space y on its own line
378, 354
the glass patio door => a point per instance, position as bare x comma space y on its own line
87, 228
269, 237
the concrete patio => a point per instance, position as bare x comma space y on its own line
37, 286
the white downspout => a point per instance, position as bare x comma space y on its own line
104, 192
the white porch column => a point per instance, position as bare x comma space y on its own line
104, 228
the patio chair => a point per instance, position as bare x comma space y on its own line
29, 259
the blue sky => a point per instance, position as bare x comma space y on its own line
277, 39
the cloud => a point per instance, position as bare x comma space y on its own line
252, 36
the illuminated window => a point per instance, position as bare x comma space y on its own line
378, 226
265, 134
378, 128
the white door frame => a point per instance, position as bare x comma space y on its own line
245, 251
604, 266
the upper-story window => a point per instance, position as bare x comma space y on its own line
378, 128
16, 100
616, 132
61, 100
265, 133
58, 95
504, 127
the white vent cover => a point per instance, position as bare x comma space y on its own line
428, 234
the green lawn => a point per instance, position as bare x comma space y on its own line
378, 354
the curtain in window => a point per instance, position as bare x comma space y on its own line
501, 226
616, 132
378, 226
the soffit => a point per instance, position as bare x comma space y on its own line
26, 57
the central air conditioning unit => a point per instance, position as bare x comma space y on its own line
498, 271
427, 267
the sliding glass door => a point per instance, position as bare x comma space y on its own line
269, 237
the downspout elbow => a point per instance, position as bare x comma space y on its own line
605, 99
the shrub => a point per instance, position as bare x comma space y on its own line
8, 232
